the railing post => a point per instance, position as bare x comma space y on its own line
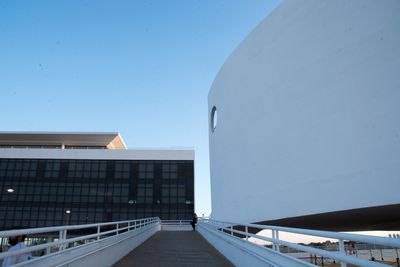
342, 251
277, 246
60, 238
129, 226
49, 240
117, 228
273, 237
231, 230
65, 238
247, 233
98, 232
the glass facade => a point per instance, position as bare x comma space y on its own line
48, 192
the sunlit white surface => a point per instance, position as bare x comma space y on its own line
308, 113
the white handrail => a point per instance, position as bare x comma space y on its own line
8, 233
175, 222
64, 240
228, 228
384, 241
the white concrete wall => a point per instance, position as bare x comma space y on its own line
309, 113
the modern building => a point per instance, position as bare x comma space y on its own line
51, 179
308, 128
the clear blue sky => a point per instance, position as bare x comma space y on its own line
142, 68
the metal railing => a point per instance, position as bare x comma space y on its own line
175, 222
232, 229
101, 231
175, 225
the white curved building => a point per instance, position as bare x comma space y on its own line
308, 129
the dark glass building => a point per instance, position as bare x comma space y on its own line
56, 181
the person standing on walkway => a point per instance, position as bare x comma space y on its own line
194, 221
16, 242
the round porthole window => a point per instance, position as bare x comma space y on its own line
214, 118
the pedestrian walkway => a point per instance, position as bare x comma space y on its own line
174, 248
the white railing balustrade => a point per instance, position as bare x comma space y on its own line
231, 229
175, 222
235, 240
175, 225
101, 231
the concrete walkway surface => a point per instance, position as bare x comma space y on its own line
174, 248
